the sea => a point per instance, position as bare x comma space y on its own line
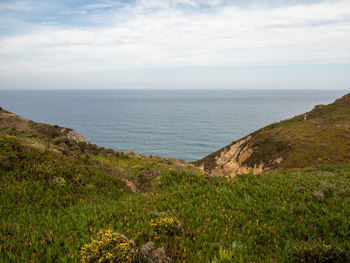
184, 124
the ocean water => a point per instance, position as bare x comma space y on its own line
185, 124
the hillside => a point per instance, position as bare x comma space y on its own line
10, 120
57, 194
318, 137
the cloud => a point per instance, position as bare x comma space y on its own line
16, 6
183, 33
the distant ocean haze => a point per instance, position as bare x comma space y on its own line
185, 124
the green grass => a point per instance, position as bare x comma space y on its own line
256, 218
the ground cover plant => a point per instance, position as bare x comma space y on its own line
56, 197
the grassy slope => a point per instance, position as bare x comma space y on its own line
262, 216
323, 139
8, 119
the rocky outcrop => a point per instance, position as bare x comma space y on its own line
153, 255
73, 135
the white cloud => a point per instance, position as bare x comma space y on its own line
158, 33
16, 6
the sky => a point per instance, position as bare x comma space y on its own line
175, 44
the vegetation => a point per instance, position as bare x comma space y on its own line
166, 226
63, 199
109, 247
56, 196
318, 252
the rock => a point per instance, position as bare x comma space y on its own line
147, 249
318, 194
153, 255
73, 135
159, 256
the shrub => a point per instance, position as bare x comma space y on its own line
201, 173
145, 177
5, 163
90, 148
109, 247
225, 256
317, 252
51, 133
60, 181
327, 189
63, 141
166, 225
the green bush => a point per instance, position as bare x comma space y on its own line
109, 247
317, 252
166, 226
52, 133
59, 181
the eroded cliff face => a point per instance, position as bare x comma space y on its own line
231, 160
10, 120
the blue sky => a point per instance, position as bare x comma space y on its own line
175, 44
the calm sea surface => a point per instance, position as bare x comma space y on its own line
186, 124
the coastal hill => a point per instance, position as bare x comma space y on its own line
63, 199
11, 120
318, 137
